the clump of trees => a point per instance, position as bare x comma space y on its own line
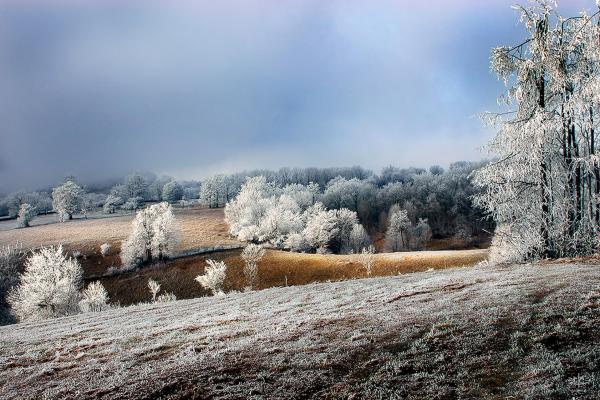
154, 236
543, 188
10, 260
402, 235
287, 218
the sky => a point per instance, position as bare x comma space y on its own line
99, 89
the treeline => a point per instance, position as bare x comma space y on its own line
442, 197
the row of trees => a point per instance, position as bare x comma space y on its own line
543, 190
442, 197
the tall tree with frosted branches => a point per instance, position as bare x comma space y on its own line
542, 189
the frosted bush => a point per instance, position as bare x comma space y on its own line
154, 288
214, 276
367, 259
251, 255
26, 214
166, 297
104, 249
48, 287
154, 235
94, 298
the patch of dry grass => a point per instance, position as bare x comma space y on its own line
277, 268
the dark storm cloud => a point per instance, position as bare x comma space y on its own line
101, 89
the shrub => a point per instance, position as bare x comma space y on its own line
104, 249
48, 287
367, 258
154, 288
94, 298
251, 255
166, 297
214, 276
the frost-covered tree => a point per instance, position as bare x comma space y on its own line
94, 298
133, 203
367, 259
154, 288
251, 255
217, 190
26, 214
420, 235
543, 188
321, 227
154, 235
359, 238
214, 276
66, 199
397, 235
136, 186
49, 286
10, 260
172, 192
345, 222
111, 204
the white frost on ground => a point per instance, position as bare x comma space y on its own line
484, 332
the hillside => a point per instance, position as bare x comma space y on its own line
484, 332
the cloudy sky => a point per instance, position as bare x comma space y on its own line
99, 89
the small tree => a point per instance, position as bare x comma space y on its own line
398, 233
26, 214
154, 288
359, 238
367, 258
66, 199
111, 204
49, 287
172, 192
94, 298
251, 255
154, 235
214, 276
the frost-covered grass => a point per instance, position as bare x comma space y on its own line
484, 332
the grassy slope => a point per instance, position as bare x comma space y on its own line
276, 269
525, 331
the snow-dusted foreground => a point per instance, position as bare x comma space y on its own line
484, 332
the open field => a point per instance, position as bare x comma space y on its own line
277, 268
485, 332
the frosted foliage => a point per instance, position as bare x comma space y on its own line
104, 249
359, 238
10, 258
251, 255
94, 298
287, 217
26, 214
154, 288
48, 287
367, 259
155, 234
166, 297
321, 226
214, 276
397, 235
543, 189
66, 199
